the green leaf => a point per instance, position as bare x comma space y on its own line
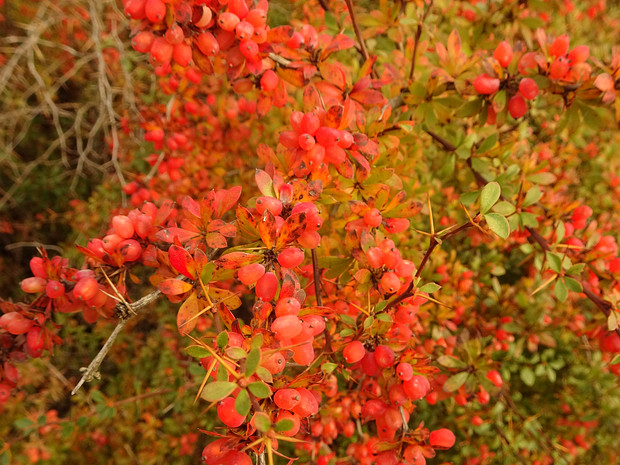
451, 362
498, 224
429, 288
260, 390
23, 423
252, 362
573, 285
217, 390
544, 178
489, 196
242, 403
97, 397
207, 273
527, 376
222, 339
67, 429
555, 262
504, 208
384, 317
236, 353
469, 197
488, 143
469, 108
328, 367
262, 422
264, 374
368, 322
284, 425
257, 341
532, 196
576, 269
456, 381
561, 292
198, 352
82, 422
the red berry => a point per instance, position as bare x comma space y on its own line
306, 141
528, 88
503, 53
135, 8
291, 257
404, 371
375, 257
308, 405
267, 286
443, 438
274, 363
559, 47
517, 106
228, 21
33, 285
54, 289
86, 289
182, 54
384, 356
269, 203
251, 273
174, 35
286, 398
155, 11
244, 30
5, 392
269, 80
238, 8
130, 249
354, 352
396, 225
143, 41
228, 414
485, 84
15, 323
417, 387
123, 226
201, 17
483, 396
309, 239
257, 18
214, 451
495, 378
249, 49
35, 339
161, 50
390, 282
235, 457
286, 327
373, 218
287, 306
207, 44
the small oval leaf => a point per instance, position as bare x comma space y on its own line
217, 390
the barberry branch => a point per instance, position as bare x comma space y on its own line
127, 313
418, 34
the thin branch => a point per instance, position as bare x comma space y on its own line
418, 34
358, 32
128, 312
319, 299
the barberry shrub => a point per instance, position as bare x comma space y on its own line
348, 232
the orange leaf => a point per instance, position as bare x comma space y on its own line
174, 286
170, 234
186, 317
267, 229
293, 227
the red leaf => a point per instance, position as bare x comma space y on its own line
191, 206
225, 199
245, 222
169, 234
267, 229
174, 286
279, 34
182, 261
340, 42
333, 73
216, 241
187, 315
345, 169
